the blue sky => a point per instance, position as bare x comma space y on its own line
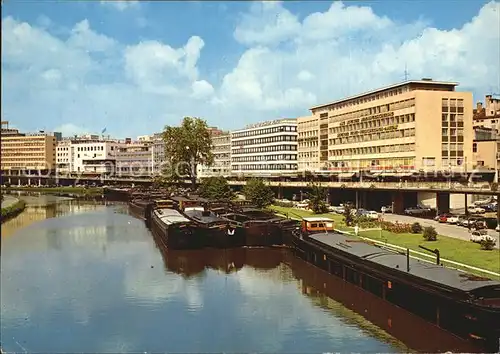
134, 67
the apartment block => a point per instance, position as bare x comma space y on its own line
27, 152
265, 149
414, 126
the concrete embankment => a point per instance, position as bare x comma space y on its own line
11, 207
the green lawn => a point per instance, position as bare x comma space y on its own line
74, 190
461, 251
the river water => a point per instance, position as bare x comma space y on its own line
87, 277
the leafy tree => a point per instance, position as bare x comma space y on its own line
348, 217
258, 192
161, 182
216, 188
186, 147
317, 198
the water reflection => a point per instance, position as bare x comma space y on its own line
95, 282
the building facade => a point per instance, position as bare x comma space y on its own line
414, 126
265, 149
221, 149
135, 159
308, 144
27, 152
86, 155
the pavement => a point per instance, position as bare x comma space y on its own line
454, 231
8, 201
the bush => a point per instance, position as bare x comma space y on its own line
348, 217
430, 234
397, 228
259, 193
488, 244
366, 223
416, 228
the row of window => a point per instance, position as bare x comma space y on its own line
261, 149
372, 150
265, 167
268, 140
363, 113
264, 131
369, 98
395, 163
375, 123
403, 133
92, 148
279, 157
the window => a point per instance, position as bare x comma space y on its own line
474, 147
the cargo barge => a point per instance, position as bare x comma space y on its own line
463, 304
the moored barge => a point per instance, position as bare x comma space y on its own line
461, 303
171, 227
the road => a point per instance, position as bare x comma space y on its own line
454, 231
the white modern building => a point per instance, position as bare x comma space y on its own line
82, 155
221, 149
265, 149
158, 151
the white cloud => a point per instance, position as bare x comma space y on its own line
289, 64
70, 129
350, 49
121, 5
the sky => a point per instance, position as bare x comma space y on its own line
133, 67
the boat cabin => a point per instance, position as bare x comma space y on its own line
190, 203
164, 203
205, 218
317, 224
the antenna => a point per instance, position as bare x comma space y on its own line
407, 74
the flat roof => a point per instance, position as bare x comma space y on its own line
401, 84
318, 218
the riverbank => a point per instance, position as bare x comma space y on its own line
13, 209
456, 250
94, 191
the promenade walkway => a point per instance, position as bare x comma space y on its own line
8, 201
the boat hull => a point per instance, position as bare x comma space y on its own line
173, 237
477, 324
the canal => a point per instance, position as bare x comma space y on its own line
80, 276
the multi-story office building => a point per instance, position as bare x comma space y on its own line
27, 152
221, 149
486, 149
308, 143
86, 155
413, 126
158, 151
135, 159
265, 149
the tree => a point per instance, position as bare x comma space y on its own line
317, 198
216, 188
186, 147
258, 192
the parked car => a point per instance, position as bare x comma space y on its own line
481, 235
372, 215
444, 218
497, 228
476, 210
479, 224
452, 219
417, 210
386, 209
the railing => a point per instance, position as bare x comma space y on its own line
382, 185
